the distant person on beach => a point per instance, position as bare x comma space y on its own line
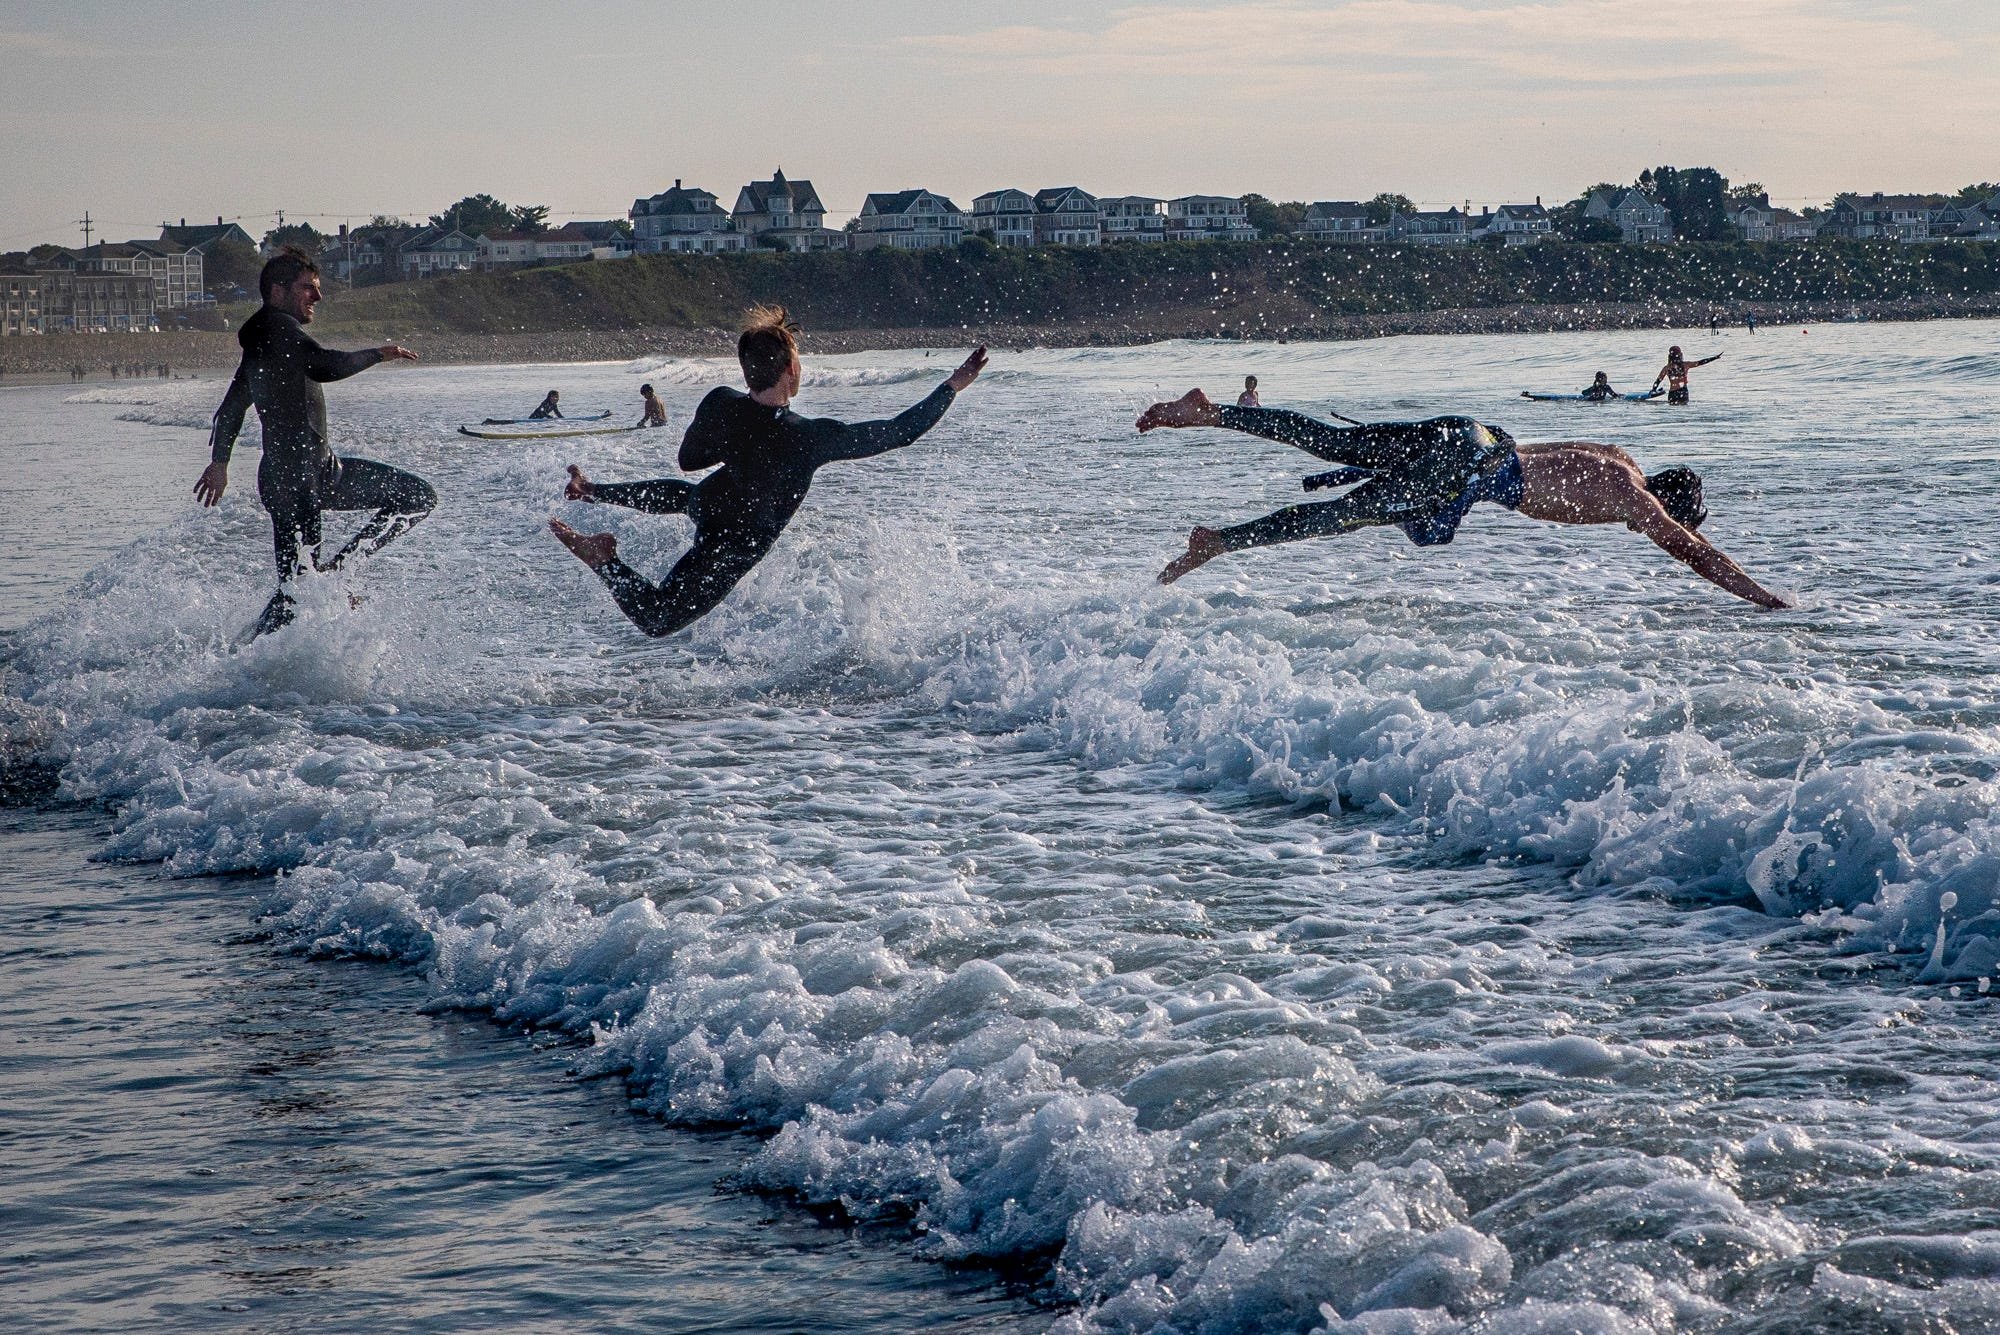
1749, 322
299, 476
768, 455
1600, 389
652, 411
547, 408
1675, 373
1248, 398
1425, 476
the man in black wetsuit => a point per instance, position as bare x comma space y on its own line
547, 408
1424, 477
768, 455
300, 476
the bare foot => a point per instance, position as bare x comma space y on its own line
579, 488
1193, 408
1204, 545
593, 549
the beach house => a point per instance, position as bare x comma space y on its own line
1067, 216
783, 215
1759, 220
1515, 224
1132, 218
1341, 220
437, 250
1877, 217
1209, 218
1007, 217
1447, 227
907, 220
1640, 220
683, 219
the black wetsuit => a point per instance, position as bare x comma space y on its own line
545, 409
1421, 476
300, 476
1597, 393
767, 457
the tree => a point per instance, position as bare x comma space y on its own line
1741, 196
532, 218
1976, 194
1385, 206
478, 214
1273, 219
303, 235
381, 220
1695, 196
231, 264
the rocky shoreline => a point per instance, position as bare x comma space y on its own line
53, 357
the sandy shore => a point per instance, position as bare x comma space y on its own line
53, 357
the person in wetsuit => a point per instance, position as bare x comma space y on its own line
547, 408
652, 411
1425, 476
768, 455
1675, 373
1600, 390
299, 476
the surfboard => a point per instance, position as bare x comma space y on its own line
1581, 398
543, 435
528, 421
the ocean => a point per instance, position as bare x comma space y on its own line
959, 929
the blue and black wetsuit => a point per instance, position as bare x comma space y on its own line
768, 457
1421, 476
300, 476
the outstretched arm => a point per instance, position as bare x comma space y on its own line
1706, 360
327, 364
1695, 552
863, 440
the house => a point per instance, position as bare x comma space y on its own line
22, 292
1450, 227
1342, 220
908, 220
783, 215
1759, 220
364, 254
436, 250
52, 300
1067, 216
610, 238
1964, 222
1132, 218
1208, 218
1640, 220
1515, 224
204, 237
1006, 216
683, 220
504, 250
562, 245
1877, 217
175, 269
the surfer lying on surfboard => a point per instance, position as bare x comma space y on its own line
768, 455
1425, 476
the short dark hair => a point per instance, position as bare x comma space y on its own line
283, 269
645, 389
1678, 490
767, 346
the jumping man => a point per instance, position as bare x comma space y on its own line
768, 455
299, 476
1425, 476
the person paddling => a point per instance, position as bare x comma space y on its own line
1425, 476
550, 406
768, 455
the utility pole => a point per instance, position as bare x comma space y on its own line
84, 223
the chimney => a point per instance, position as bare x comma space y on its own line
218, 220
343, 234
1538, 201
184, 222
677, 183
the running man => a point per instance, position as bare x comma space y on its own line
547, 408
1248, 398
653, 412
1675, 373
768, 455
299, 476
1425, 476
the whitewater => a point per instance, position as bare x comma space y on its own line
1520, 935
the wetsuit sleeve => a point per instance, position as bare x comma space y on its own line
228, 421
861, 440
325, 364
704, 443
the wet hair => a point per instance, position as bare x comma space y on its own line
1674, 351
283, 269
645, 389
1249, 382
1678, 490
767, 346
554, 394
1600, 376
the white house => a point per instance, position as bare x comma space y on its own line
684, 220
1640, 221
436, 250
1759, 220
1007, 216
907, 220
502, 250
1208, 218
1132, 218
1067, 216
1432, 228
783, 215
1516, 224
1342, 220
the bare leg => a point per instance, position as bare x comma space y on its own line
593, 549
1204, 545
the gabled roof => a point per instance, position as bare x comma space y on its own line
203, 235
598, 230
803, 197
903, 201
996, 194
1058, 199
433, 238
1205, 199
1337, 208
676, 200
1878, 200
1521, 212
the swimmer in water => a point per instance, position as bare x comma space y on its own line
1675, 373
1425, 476
1600, 390
652, 411
768, 455
1248, 398
547, 408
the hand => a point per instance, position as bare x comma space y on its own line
214, 480
392, 353
968, 370
580, 488
1193, 408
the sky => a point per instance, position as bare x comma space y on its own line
147, 112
